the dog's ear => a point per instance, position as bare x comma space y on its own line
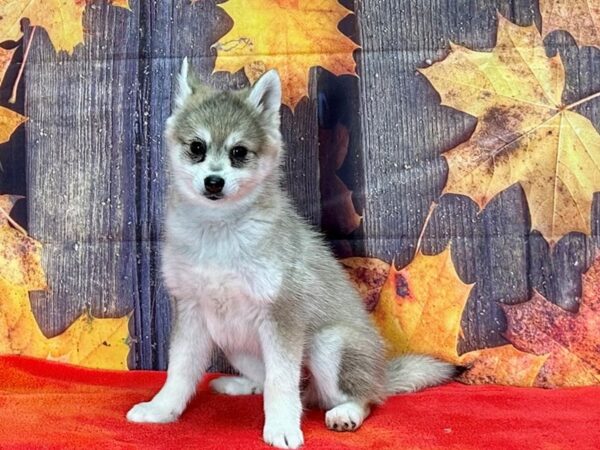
183, 89
188, 84
265, 95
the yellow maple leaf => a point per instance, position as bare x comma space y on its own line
524, 133
9, 122
100, 343
92, 342
5, 58
419, 311
581, 18
288, 35
20, 255
420, 307
62, 20
121, 3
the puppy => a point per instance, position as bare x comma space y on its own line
248, 275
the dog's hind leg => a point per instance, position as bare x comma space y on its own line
323, 361
347, 369
251, 382
347, 416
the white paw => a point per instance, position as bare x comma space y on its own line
282, 435
345, 417
152, 412
235, 386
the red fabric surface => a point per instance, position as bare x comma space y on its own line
51, 405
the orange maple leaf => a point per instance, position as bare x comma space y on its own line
288, 35
419, 311
100, 343
368, 276
571, 340
5, 59
9, 122
581, 18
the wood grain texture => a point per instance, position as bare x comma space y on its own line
80, 165
152, 312
404, 130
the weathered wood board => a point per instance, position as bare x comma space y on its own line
81, 166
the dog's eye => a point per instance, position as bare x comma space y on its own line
198, 149
239, 152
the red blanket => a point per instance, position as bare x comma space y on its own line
51, 405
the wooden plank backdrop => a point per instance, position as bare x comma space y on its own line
81, 168
95, 158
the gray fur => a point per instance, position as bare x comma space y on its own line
410, 373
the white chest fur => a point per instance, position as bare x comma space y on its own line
219, 268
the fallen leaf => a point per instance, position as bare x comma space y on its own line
524, 134
5, 59
93, 342
338, 213
7, 202
90, 342
62, 20
420, 307
20, 255
504, 365
572, 340
100, 343
9, 122
288, 35
420, 310
368, 276
121, 4
581, 18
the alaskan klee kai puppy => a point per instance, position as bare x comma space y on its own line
248, 275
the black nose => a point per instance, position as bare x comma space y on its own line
214, 184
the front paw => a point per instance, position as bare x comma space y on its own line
152, 412
282, 435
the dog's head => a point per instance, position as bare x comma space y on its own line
223, 144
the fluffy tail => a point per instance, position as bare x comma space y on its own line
410, 373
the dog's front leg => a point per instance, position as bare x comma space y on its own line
189, 356
283, 409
